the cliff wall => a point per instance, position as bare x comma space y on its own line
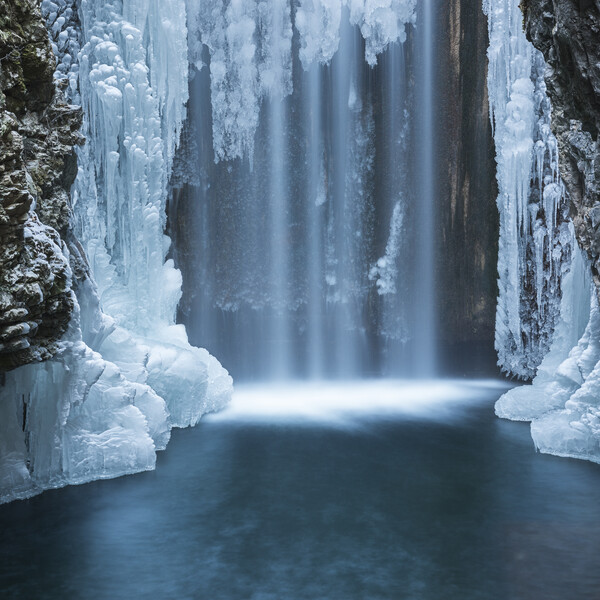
38, 131
467, 212
567, 32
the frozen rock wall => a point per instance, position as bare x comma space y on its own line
535, 240
568, 35
122, 373
37, 166
563, 401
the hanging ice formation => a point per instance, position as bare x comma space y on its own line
126, 373
309, 275
535, 236
243, 72
544, 308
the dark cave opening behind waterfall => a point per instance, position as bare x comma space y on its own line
359, 238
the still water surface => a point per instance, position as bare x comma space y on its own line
444, 502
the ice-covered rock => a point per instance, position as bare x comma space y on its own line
133, 85
548, 306
74, 419
559, 375
125, 373
535, 239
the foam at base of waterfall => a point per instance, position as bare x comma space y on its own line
350, 403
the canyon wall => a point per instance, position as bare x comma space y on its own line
38, 131
567, 32
467, 212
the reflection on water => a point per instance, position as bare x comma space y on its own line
404, 507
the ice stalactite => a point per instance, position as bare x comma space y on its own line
562, 402
548, 316
529, 402
318, 24
125, 373
134, 85
381, 23
535, 239
243, 70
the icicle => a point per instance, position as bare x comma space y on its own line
533, 255
244, 70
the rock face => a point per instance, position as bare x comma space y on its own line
567, 32
467, 212
38, 130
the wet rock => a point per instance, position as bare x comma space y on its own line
38, 131
568, 34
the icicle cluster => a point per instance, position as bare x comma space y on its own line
134, 85
381, 23
249, 42
535, 239
126, 373
547, 300
563, 402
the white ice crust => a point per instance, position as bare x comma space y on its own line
535, 240
558, 324
250, 47
563, 401
125, 373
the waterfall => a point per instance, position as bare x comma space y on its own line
424, 314
315, 198
314, 204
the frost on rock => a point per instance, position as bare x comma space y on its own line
125, 373
563, 402
250, 47
554, 382
62, 22
548, 313
535, 241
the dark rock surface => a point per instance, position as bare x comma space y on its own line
467, 214
38, 130
567, 32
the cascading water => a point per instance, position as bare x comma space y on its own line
311, 130
425, 289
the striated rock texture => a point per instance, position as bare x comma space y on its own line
38, 130
567, 32
466, 211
